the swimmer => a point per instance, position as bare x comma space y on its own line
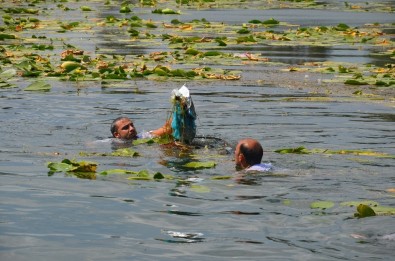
123, 128
248, 156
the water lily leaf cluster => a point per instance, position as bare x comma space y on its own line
303, 150
81, 169
183, 47
366, 208
352, 74
138, 175
87, 170
125, 152
276, 4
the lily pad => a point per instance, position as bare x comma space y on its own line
6, 36
5, 75
357, 203
69, 66
355, 82
38, 86
6, 85
60, 167
67, 165
221, 177
116, 171
383, 210
147, 175
143, 141
165, 11
200, 188
364, 211
85, 8
200, 165
126, 152
298, 150
322, 204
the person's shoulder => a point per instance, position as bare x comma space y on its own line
261, 167
145, 135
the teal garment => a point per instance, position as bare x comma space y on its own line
183, 123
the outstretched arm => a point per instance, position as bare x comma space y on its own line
164, 130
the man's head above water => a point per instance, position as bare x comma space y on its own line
248, 153
123, 128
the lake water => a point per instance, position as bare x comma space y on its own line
195, 217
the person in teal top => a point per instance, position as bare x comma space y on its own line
248, 156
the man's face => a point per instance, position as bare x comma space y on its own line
125, 130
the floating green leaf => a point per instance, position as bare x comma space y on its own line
82, 166
116, 171
341, 27
360, 153
71, 166
137, 175
125, 9
303, 150
126, 152
355, 82
271, 21
5, 75
192, 51
221, 177
6, 36
165, 11
59, 167
158, 175
85, 8
38, 86
364, 211
200, 188
375, 207
298, 150
383, 210
146, 175
199, 165
143, 141
84, 175
69, 66
356, 203
322, 204
255, 21
212, 53
243, 31
6, 85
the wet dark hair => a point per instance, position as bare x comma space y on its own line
252, 155
113, 128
